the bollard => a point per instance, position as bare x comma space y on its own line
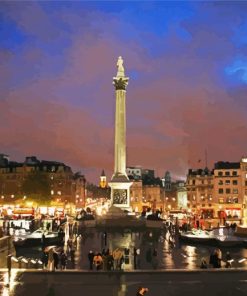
33, 263
20, 262
15, 262
24, 263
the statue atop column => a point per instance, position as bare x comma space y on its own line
120, 81
120, 72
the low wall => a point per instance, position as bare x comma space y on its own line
120, 222
87, 223
154, 224
170, 282
241, 231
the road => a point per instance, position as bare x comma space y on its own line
165, 283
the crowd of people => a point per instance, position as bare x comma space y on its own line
216, 260
53, 260
108, 260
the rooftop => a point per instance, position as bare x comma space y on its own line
221, 165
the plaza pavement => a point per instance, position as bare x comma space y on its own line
223, 282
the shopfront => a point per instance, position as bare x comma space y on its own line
207, 213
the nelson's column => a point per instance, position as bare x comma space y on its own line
120, 183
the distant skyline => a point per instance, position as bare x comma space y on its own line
187, 63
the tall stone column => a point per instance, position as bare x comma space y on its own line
120, 184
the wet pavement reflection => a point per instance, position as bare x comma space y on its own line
157, 250
169, 255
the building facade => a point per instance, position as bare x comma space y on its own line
64, 186
228, 195
200, 189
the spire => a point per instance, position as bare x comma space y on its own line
103, 173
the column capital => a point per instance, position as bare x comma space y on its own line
120, 83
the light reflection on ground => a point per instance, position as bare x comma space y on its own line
8, 284
177, 255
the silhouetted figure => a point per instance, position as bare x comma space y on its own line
149, 255
56, 260
109, 261
44, 260
63, 260
90, 259
228, 260
203, 264
105, 238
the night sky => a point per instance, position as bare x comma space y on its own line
187, 63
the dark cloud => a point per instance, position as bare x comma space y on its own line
57, 99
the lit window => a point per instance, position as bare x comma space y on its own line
221, 200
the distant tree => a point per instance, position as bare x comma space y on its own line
77, 175
1, 184
148, 180
97, 192
37, 187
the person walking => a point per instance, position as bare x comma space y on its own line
98, 261
149, 255
110, 261
117, 256
90, 259
63, 260
138, 258
105, 238
228, 260
69, 244
155, 259
72, 253
203, 264
104, 258
219, 257
135, 258
56, 260
141, 291
44, 260
50, 260
43, 240
215, 259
